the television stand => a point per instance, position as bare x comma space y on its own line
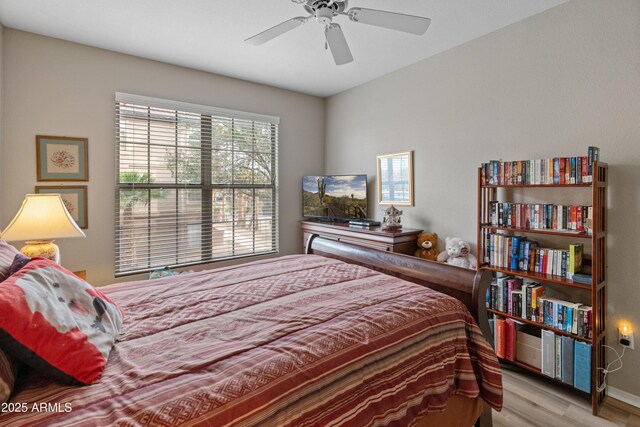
403, 241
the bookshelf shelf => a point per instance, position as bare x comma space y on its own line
503, 175
539, 325
576, 235
524, 366
539, 277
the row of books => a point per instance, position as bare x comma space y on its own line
519, 253
557, 170
535, 216
567, 360
529, 301
557, 356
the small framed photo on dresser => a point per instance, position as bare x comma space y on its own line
75, 200
62, 158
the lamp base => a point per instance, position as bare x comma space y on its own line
43, 249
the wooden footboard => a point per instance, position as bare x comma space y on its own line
468, 286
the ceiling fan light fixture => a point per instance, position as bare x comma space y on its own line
324, 16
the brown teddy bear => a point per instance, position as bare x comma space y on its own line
427, 246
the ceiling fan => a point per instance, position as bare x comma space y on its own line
325, 10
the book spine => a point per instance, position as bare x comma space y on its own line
558, 357
548, 353
536, 302
528, 302
558, 319
515, 246
510, 339
532, 257
510, 297
567, 360
500, 337
575, 259
579, 225
574, 318
578, 170
582, 366
548, 313
505, 298
521, 172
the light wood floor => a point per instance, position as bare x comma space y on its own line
531, 401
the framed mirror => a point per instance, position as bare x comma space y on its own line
395, 179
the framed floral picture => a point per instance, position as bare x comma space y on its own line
61, 158
74, 198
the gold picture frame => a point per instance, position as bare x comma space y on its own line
395, 179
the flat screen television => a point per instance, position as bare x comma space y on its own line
334, 197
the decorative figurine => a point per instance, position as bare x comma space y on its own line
391, 219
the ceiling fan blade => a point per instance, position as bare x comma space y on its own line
338, 45
394, 21
276, 31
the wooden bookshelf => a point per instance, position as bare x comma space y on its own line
596, 193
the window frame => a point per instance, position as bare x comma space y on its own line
207, 187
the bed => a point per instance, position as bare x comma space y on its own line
301, 340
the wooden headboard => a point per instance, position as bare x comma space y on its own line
468, 286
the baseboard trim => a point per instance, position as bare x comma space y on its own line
623, 396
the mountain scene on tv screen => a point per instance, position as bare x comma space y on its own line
342, 196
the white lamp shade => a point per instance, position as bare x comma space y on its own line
42, 217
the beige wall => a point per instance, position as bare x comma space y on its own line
547, 86
53, 87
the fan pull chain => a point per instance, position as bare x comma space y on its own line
326, 44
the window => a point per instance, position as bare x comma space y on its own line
194, 184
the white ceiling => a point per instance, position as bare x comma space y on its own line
209, 35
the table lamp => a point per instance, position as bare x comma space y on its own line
41, 219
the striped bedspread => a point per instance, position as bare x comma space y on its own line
296, 341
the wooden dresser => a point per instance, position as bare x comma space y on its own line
402, 241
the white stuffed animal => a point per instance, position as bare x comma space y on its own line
458, 252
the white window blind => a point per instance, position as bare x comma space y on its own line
194, 184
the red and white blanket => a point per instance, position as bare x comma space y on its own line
295, 341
